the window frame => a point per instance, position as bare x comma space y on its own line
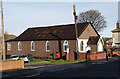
9, 47
47, 50
67, 46
32, 44
81, 46
19, 46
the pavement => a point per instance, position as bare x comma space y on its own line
45, 70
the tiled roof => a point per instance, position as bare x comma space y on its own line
93, 40
116, 30
64, 32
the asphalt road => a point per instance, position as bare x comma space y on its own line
94, 69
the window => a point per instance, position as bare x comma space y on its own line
19, 46
9, 46
47, 46
65, 46
32, 46
81, 46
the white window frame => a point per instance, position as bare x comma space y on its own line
65, 45
32, 45
47, 46
9, 46
82, 44
19, 48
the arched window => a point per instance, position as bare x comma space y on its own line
19, 46
65, 46
81, 46
47, 46
32, 46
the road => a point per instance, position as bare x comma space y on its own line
94, 69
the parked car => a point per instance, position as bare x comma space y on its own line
27, 57
15, 57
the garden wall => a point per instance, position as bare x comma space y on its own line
70, 56
96, 56
12, 64
116, 53
83, 56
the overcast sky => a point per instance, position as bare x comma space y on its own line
18, 16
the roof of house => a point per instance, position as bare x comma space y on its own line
63, 32
93, 40
8, 37
116, 30
106, 38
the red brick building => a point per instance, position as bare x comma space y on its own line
45, 42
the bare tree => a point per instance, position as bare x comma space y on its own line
94, 17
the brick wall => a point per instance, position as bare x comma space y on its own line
70, 55
83, 56
96, 56
116, 53
13, 64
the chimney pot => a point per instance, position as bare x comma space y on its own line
117, 24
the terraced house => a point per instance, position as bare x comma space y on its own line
45, 42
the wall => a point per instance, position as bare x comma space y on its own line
116, 38
82, 55
70, 56
93, 56
116, 53
13, 64
40, 48
96, 56
99, 46
89, 31
93, 48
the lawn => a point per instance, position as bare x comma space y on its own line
54, 61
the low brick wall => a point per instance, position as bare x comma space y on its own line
93, 56
12, 64
116, 53
96, 56
70, 55
82, 55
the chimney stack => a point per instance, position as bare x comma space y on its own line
117, 24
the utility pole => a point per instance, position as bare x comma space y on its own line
76, 31
3, 40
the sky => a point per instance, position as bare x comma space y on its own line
18, 16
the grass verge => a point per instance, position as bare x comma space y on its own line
54, 61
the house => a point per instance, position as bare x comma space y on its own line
116, 36
96, 43
7, 37
46, 42
108, 41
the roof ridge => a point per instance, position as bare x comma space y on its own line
56, 25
